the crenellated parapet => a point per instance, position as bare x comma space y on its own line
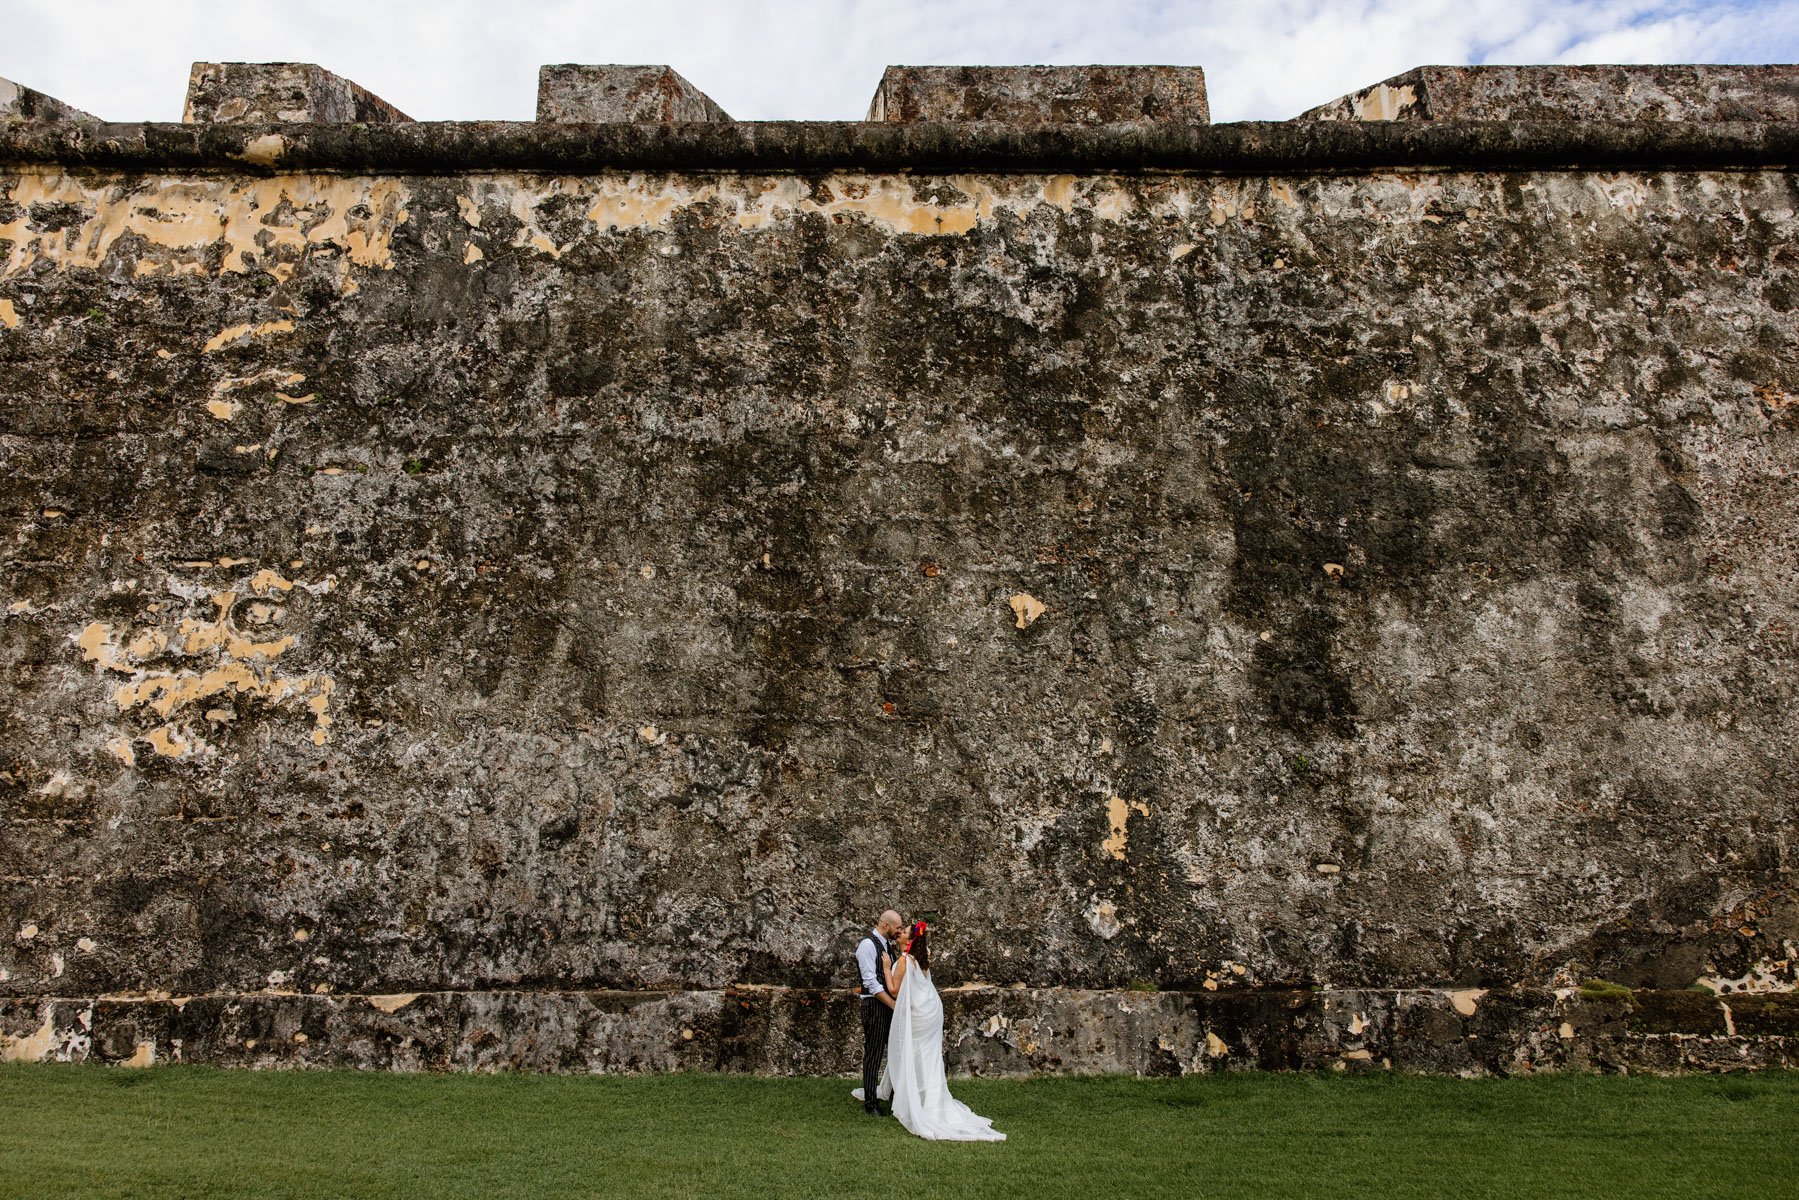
658, 95
1574, 93
272, 93
1095, 95
1017, 97
18, 102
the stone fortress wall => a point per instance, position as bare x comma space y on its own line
522, 595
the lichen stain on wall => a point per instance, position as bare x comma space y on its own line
173, 226
233, 665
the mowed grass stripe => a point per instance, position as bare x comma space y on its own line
198, 1132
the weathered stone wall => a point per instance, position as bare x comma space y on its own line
500, 618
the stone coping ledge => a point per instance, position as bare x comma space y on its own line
1247, 148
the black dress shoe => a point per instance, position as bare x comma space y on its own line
873, 1110
885, 1110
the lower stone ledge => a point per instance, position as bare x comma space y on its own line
988, 1030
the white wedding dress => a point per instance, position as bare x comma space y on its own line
913, 1077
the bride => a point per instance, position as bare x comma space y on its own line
913, 1077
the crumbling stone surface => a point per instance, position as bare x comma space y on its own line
264, 93
579, 599
1603, 93
29, 104
989, 1031
657, 95
1042, 95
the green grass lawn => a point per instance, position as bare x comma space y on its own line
191, 1131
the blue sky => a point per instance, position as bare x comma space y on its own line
760, 59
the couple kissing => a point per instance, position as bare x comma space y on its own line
902, 1037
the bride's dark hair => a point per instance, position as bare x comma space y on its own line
921, 945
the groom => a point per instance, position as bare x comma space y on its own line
877, 1005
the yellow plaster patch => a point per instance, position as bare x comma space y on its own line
1112, 204
236, 333
1767, 975
143, 1056
471, 253
265, 225
1058, 192
1026, 608
9, 316
224, 410
1384, 103
1464, 1001
287, 399
394, 1002
470, 214
99, 644
1215, 1046
169, 743
639, 201
147, 643
241, 666
1118, 816
31, 1047
264, 151
275, 377
1228, 201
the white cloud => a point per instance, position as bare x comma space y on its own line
764, 59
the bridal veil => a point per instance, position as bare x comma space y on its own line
914, 1078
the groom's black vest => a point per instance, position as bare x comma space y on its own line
880, 948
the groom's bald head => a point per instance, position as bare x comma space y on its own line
890, 923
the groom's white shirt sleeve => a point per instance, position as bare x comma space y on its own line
867, 957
